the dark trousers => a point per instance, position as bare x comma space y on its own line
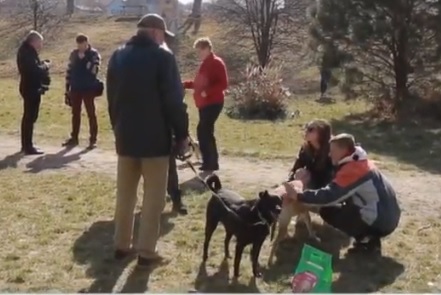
76, 100
31, 108
173, 181
325, 76
205, 133
348, 220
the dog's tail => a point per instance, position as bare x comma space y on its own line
213, 182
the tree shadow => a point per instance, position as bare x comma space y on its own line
305, 86
363, 274
95, 249
289, 251
193, 185
326, 100
219, 282
11, 161
358, 274
413, 142
55, 161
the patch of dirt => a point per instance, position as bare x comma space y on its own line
417, 191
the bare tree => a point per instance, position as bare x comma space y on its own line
270, 23
194, 19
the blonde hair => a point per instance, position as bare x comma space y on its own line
203, 43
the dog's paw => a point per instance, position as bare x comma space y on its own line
257, 274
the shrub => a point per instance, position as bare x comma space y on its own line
260, 95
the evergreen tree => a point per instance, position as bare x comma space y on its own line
395, 45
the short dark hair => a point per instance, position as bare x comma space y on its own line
344, 140
81, 38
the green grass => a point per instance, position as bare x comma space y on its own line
260, 138
405, 145
57, 227
57, 235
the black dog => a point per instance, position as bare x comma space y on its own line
249, 220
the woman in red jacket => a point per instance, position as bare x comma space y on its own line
208, 91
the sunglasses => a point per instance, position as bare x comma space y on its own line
309, 129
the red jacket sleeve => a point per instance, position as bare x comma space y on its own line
189, 84
219, 78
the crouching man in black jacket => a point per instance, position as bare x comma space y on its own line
146, 108
34, 82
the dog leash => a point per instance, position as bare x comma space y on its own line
187, 161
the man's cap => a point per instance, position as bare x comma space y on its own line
154, 21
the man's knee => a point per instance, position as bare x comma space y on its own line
332, 216
155, 173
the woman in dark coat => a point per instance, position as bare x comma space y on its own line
313, 164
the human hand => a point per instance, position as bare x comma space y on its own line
47, 63
182, 149
67, 100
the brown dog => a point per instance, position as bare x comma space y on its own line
291, 208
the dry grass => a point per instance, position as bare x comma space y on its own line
256, 138
57, 227
57, 235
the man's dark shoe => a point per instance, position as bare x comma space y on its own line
92, 144
179, 207
147, 263
122, 254
71, 142
32, 151
371, 245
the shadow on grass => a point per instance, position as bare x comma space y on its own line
289, 251
364, 274
55, 161
409, 142
95, 249
358, 274
193, 185
11, 161
219, 282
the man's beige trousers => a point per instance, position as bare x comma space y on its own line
154, 172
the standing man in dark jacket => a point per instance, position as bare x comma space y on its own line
81, 86
208, 91
146, 107
34, 82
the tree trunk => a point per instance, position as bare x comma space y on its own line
194, 19
35, 8
401, 69
70, 7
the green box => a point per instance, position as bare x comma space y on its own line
313, 273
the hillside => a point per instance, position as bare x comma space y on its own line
107, 33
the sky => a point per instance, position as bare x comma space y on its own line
191, 1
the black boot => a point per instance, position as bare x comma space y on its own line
370, 245
178, 206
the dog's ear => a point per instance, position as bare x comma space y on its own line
263, 194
